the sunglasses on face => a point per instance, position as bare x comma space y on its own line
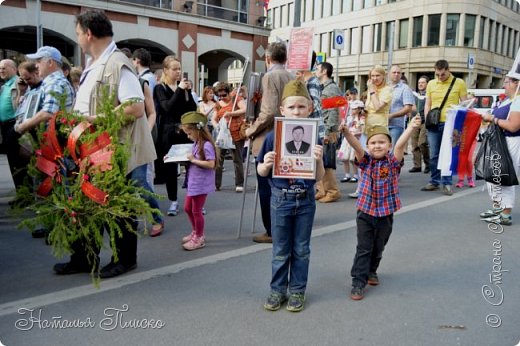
222, 95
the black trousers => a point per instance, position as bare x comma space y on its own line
17, 164
372, 235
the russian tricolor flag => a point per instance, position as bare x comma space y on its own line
458, 142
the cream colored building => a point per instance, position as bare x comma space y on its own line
485, 32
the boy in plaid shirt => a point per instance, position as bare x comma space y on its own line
378, 199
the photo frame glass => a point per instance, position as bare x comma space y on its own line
293, 143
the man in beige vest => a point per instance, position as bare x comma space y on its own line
110, 67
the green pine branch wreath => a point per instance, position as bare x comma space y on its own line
66, 211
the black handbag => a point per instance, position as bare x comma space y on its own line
433, 118
493, 162
329, 155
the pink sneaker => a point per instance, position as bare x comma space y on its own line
187, 238
471, 182
194, 243
460, 183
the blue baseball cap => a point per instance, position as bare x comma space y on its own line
46, 52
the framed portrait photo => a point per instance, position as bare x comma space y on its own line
293, 143
29, 106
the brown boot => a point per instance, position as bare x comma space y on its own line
263, 238
330, 198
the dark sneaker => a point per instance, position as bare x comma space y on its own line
430, 187
491, 212
274, 301
356, 293
114, 269
447, 190
415, 170
345, 179
426, 170
373, 280
502, 219
296, 302
70, 268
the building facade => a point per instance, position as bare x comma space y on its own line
478, 38
207, 36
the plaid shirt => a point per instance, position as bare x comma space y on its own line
314, 89
55, 86
378, 188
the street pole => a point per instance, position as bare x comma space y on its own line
337, 67
39, 30
391, 46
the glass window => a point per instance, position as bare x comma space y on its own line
403, 33
377, 37
434, 27
282, 16
390, 1
491, 44
270, 17
389, 27
346, 6
469, 30
290, 14
336, 7
497, 32
367, 4
365, 39
275, 17
452, 29
417, 31
482, 28
357, 5
318, 9
505, 40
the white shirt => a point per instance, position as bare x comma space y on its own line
129, 87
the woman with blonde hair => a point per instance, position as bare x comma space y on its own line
173, 98
378, 100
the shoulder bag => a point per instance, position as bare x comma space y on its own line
433, 118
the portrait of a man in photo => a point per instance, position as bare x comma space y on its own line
297, 146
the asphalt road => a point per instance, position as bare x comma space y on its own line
435, 281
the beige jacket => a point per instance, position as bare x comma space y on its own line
273, 83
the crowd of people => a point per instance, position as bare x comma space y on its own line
369, 136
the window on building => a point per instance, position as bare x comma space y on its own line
482, 28
270, 17
403, 33
389, 34
367, 4
290, 14
377, 37
282, 16
354, 41
336, 7
378, 2
505, 40
452, 29
434, 27
390, 1
318, 10
469, 30
358, 5
417, 31
346, 6
275, 20
491, 39
497, 34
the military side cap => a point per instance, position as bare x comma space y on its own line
194, 118
295, 88
378, 130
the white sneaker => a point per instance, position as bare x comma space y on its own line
353, 195
239, 189
174, 209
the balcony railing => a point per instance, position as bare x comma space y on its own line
205, 8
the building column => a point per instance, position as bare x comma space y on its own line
397, 33
442, 30
383, 36
476, 34
462, 28
409, 44
371, 38
499, 38
424, 38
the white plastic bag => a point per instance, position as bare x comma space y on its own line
343, 150
224, 139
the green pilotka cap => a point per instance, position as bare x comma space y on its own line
193, 118
295, 88
378, 130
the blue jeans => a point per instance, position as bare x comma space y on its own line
292, 217
434, 141
372, 235
139, 176
395, 133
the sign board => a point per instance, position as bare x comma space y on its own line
321, 57
471, 61
339, 39
515, 69
299, 55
